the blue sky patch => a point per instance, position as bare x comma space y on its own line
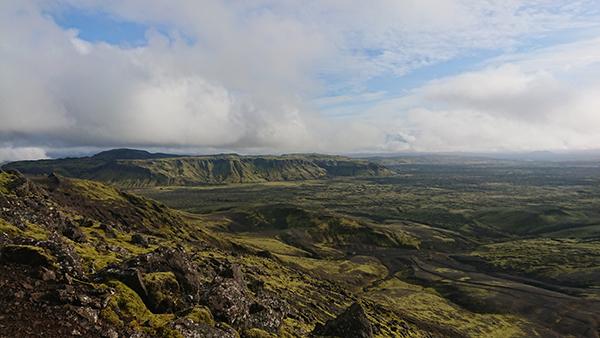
102, 27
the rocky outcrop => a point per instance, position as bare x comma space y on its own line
227, 297
230, 300
37, 298
166, 279
352, 323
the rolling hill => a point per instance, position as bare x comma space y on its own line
137, 168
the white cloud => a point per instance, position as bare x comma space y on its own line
249, 79
504, 91
8, 154
522, 105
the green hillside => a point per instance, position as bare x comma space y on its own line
135, 168
106, 263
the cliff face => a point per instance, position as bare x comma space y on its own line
146, 169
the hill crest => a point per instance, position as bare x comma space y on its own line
130, 154
138, 168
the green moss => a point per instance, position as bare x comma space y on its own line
126, 309
98, 260
8, 228
31, 230
5, 179
315, 296
201, 314
36, 232
97, 191
569, 261
228, 327
257, 333
128, 304
123, 240
163, 290
291, 328
93, 259
270, 244
357, 272
160, 278
426, 305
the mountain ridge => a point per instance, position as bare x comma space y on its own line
138, 168
130, 154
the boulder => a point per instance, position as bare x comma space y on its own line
73, 232
231, 301
353, 322
139, 239
228, 298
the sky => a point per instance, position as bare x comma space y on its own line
281, 76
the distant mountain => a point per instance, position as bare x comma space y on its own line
130, 154
136, 168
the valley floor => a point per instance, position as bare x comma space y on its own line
501, 251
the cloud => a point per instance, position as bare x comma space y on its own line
505, 91
8, 154
245, 76
521, 105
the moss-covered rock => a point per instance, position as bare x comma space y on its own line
5, 179
127, 311
200, 314
163, 292
26, 254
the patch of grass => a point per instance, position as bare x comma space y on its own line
291, 328
257, 333
31, 230
357, 272
270, 244
36, 232
97, 191
9, 228
127, 310
93, 260
5, 179
568, 261
423, 305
